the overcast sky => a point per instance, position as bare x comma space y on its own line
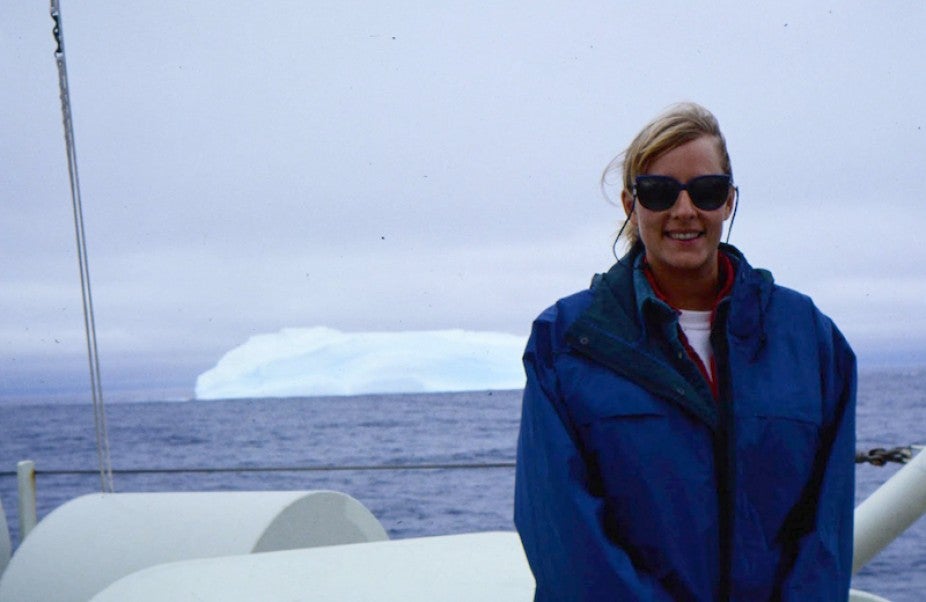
427, 165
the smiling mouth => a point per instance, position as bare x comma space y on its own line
684, 235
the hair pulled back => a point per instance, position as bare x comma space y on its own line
678, 125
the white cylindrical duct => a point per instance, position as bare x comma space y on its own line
889, 511
92, 541
860, 596
480, 567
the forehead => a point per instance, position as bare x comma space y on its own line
695, 157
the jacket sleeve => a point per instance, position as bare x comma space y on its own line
822, 567
557, 516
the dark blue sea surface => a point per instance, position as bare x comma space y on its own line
472, 428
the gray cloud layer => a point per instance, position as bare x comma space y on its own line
396, 166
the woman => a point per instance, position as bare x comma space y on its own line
688, 426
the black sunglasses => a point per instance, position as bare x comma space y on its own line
658, 193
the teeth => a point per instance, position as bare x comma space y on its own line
683, 235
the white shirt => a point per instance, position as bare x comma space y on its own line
697, 328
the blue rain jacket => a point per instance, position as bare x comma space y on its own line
634, 483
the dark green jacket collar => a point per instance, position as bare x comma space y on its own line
615, 330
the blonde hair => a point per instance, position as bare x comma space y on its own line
678, 125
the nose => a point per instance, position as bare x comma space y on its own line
683, 206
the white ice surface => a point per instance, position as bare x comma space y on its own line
323, 361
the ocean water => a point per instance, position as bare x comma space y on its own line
468, 430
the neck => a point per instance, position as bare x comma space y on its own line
683, 289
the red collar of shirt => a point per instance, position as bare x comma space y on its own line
725, 273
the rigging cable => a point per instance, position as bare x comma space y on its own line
99, 412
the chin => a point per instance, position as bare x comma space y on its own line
694, 260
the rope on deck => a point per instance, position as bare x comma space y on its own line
880, 456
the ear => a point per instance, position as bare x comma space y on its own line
728, 206
627, 202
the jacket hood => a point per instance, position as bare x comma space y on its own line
749, 299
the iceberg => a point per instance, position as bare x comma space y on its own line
302, 362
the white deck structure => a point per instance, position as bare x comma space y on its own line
488, 567
90, 542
